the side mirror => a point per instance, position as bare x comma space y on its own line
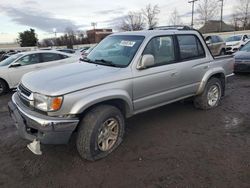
16, 64
146, 61
208, 42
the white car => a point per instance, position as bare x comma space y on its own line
233, 43
13, 68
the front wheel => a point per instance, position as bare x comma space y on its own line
101, 132
211, 95
3, 87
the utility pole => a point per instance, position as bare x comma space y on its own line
192, 1
221, 14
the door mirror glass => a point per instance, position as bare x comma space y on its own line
147, 60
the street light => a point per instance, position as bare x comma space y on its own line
54, 31
192, 1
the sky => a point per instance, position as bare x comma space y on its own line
46, 16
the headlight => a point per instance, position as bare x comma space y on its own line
46, 103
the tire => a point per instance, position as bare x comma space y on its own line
223, 52
92, 133
203, 102
3, 87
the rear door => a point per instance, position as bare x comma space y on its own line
192, 64
52, 59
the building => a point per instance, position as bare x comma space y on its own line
213, 26
96, 35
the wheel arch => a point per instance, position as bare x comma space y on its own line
217, 74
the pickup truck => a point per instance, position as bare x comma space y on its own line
126, 74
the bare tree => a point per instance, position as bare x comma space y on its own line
134, 21
207, 10
150, 14
175, 18
243, 12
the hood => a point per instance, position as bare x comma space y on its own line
68, 78
242, 55
232, 43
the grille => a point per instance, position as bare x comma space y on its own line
24, 91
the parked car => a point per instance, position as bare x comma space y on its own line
126, 74
85, 53
70, 51
233, 43
216, 44
242, 59
6, 55
14, 67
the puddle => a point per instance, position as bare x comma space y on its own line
232, 122
236, 124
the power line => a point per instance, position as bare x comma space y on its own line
192, 1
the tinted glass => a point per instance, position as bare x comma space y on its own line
246, 47
234, 38
29, 59
51, 57
162, 49
190, 47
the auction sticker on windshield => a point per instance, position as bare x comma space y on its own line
127, 43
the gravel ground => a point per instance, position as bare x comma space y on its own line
173, 146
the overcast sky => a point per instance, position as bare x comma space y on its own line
44, 15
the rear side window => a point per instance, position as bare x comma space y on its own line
51, 57
190, 47
162, 48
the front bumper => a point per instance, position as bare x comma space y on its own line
33, 125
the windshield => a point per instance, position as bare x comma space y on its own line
10, 59
234, 38
246, 47
116, 50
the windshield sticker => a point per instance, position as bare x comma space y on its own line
127, 43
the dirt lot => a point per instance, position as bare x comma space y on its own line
174, 146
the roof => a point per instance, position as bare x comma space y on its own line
150, 33
213, 26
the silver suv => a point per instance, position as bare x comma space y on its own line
126, 74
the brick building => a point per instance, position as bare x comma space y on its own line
96, 35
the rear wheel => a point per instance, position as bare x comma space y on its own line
3, 87
101, 132
211, 95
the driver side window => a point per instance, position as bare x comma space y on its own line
162, 49
29, 59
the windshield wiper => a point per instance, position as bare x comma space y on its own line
85, 59
105, 62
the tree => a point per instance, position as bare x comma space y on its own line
207, 10
242, 11
134, 21
175, 18
27, 38
150, 14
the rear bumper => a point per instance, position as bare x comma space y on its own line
241, 67
33, 125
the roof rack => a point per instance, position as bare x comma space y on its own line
172, 27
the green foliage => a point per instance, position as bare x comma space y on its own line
27, 38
